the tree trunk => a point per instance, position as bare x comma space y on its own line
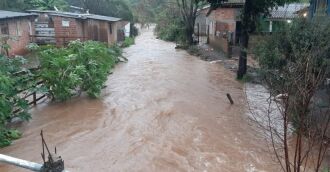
189, 33
242, 65
244, 38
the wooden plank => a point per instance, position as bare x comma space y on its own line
45, 38
41, 25
45, 29
45, 34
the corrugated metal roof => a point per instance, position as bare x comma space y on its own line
78, 15
288, 11
11, 14
99, 17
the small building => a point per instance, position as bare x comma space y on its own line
59, 27
319, 8
15, 30
285, 14
201, 24
222, 26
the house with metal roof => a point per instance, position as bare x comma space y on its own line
15, 31
279, 17
221, 26
285, 14
61, 27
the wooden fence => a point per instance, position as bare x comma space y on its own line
56, 40
32, 97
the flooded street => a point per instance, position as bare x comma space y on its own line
163, 110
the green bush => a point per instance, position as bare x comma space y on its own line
82, 66
128, 42
97, 60
298, 40
169, 26
173, 32
296, 62
10, 85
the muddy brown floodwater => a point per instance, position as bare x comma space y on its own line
163, 110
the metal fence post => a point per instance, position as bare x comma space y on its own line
35, 98
198, 33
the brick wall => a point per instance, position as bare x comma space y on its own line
67, 29
224, 14
219, 43
20, 29
223, 21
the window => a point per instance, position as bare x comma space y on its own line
4, 28
30, 28
65, 23
18, 28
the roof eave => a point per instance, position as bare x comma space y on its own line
13, 17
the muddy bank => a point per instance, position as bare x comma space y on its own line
163, 110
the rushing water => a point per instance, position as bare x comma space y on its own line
163, 110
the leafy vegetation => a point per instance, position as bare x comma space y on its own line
21, 5
296, 64
115, 8
176, 20
128, 42
170, 29
302, 37
146, 11
169, 26
47, 4
82, 66
14, 5
10, 85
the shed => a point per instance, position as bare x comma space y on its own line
224, 25
15, 30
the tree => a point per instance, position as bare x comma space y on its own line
47, 4
249, 17
146, 11
13, 5
114, 8
188, 10
170, 27
295, 64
